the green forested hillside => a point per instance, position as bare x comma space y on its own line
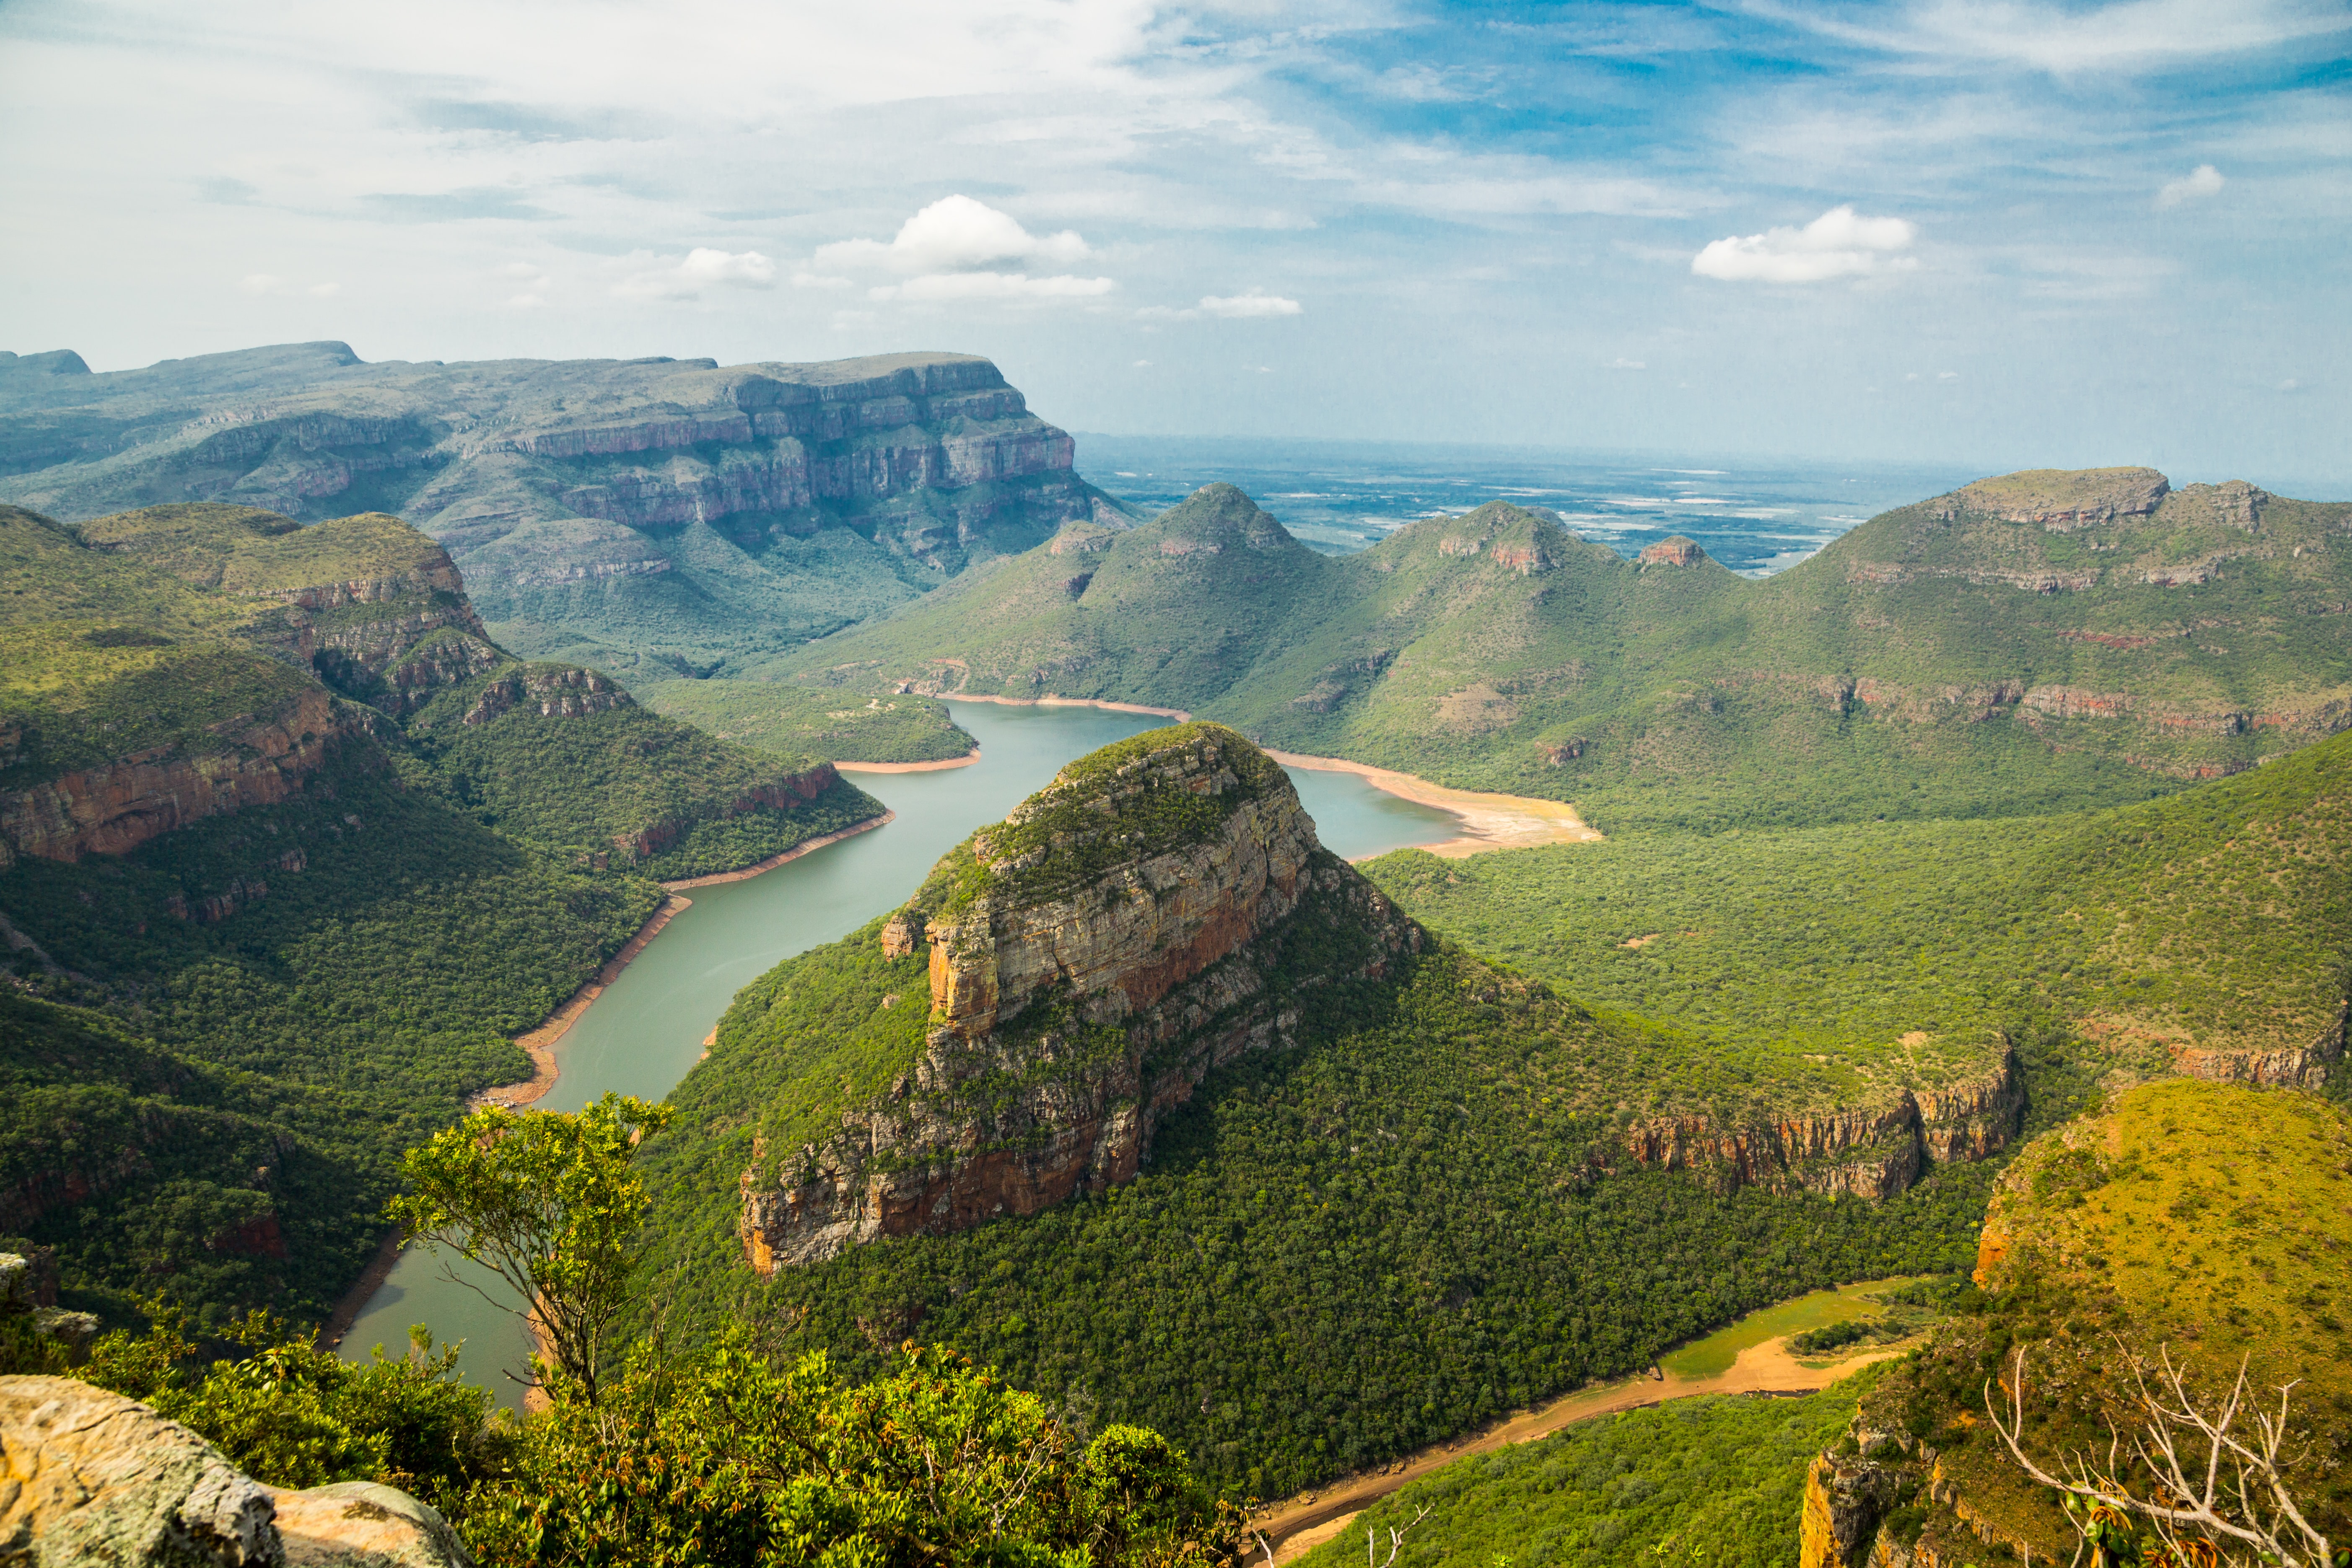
2216, 921
1336, 1254
432, 883
1977, 655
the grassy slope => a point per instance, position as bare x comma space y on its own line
2220, 917
793, 721
2206, 1218
1880, 678
1716, 1482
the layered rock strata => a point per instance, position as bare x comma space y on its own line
123, 804
1872, 1151
1091, 960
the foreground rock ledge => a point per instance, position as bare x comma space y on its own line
91, 1477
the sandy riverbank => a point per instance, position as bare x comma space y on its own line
1488, 820
805, 847
1049, 701
355, 1299
963, 762
1300, 1524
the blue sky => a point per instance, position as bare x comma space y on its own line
2002, 235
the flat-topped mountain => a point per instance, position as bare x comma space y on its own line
615, 508
2040, 642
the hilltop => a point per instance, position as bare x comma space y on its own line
292, 850
2041, 643
1147, 1030
671, 512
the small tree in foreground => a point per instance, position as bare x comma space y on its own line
2211, 1486
550, 1203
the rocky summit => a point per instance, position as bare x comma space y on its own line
1141, 921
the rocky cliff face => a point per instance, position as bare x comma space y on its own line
263, 758
547, 479
91, 1477
1872, 1151
1092, 960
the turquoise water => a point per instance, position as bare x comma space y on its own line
645, 1032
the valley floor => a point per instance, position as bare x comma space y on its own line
1297, 1525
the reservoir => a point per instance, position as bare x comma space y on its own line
645, 1032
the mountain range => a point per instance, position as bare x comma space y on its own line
606, 511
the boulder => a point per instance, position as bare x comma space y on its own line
87, 1477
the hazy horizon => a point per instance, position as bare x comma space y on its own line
1998, 235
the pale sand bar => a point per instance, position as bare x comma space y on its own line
963, 762
1305, 1522
1488, 820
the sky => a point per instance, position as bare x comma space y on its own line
2000, 234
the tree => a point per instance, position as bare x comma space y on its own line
550, 1203
2211, 1486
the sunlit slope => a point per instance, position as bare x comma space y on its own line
2211, 931
2205, 1222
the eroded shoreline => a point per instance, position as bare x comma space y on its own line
1488, 820
963, 762
539, 1043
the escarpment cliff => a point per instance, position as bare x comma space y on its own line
647, 506
1160, 909
1874, 1150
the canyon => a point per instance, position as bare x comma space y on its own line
652, 507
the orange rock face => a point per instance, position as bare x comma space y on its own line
121, 806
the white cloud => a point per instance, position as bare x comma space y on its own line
1627, 364
936, 286
702, 268
818, 281
1841, 243
2205, 180
2132, 34
955, 233
1254, 304
260, 283
1146, 364
325, 290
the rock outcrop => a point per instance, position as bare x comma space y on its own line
1845, 1501
123, 804
88, 1476
1125, 931
1872, 1151
1675, 551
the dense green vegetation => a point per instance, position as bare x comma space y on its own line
725, 1458
287, 995
1332, 1258
378, 984
1918, 667
649, 791
2217, 918
1718, 1481
795, 721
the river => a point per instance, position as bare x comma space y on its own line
645, 1032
